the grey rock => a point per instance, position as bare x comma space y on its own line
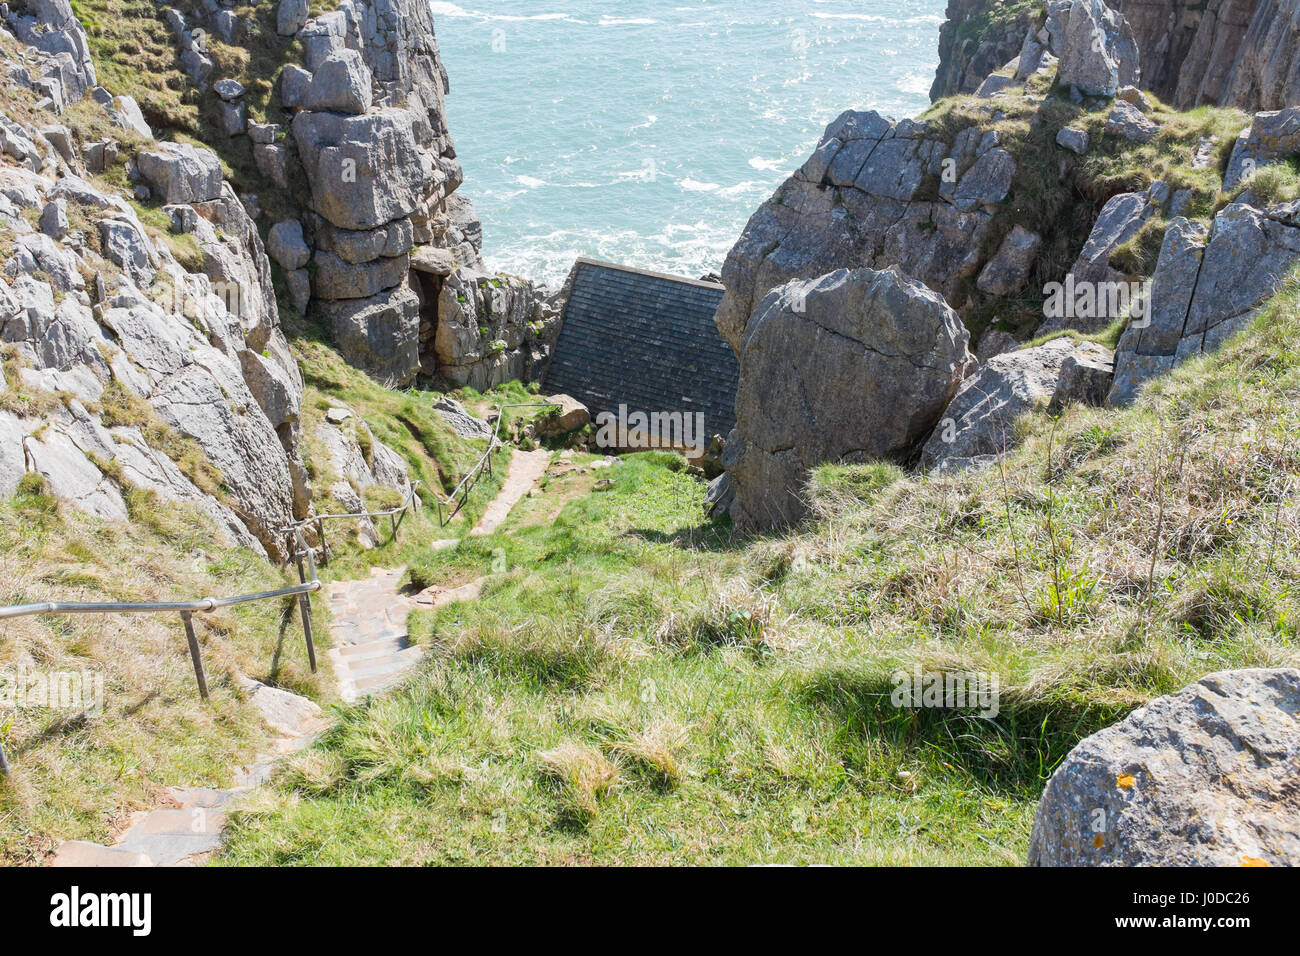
179, 172
127, 247
229, 90
340, 84
291, 16
1075, 140
1206, 288
854, 366
286, 245
827, 215
54, 219
272, 161
364, 171
461, 421
61, 139
126, 114
1086, 379
379, 335
1097, 50
987, 181
335, 278
365, 245
1009, 269
980, 421
1203, 777
299, 282
1271, 137
294, 83
570, 416
1128, 122
232, 118
264, 134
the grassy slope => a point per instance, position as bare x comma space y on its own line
78, 777
637, 688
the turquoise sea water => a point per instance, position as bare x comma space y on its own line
646, 132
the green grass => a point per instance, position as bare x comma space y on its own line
635, 685
78, 776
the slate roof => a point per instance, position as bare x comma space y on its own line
646, 340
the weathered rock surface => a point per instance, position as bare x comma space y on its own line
1206, 288
1009, 269
461, 421
357, 461
1270, 138
1203, 777
1097, 50
489, 328
859, 201
340, 84
979, 424
570, 416
853, 366
181, 173
379, 334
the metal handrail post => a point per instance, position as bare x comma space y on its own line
195, 656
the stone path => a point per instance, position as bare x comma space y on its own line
526, 467
189, 824
372, 651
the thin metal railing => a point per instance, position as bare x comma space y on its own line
298, 550
467, 483
187, 610
319, 520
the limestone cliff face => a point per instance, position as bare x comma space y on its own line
978, 37
1243, 53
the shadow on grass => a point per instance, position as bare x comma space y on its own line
1013, 752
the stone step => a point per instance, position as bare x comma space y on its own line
199, 798
355, 654
395, 663
168, 837
79, 853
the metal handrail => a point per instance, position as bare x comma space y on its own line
484, 460
311, 583
319, 520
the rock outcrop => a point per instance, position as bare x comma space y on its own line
357, 461
138, 362
1207, 286
974, 41
1203, 777
382, 228
1243, 53
873, 194
1095, 45
853, 366
979, 424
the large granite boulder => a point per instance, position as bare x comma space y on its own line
1095, 45
1009, 269
1204, 777
853, 366
340, 84
1205, 288
979, 425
